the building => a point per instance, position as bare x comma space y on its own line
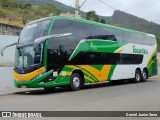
68, 14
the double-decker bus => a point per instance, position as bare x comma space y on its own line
60, 51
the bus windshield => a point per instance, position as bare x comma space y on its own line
34, 31
26, 57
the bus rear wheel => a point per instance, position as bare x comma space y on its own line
144, 76
138, 76
76, 82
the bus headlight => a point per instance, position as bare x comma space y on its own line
38, 76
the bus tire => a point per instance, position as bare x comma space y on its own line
138, 76
144, 76
49, 89
76, 82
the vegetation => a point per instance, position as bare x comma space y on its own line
64, 8
16, 13
119, 18
102, 21
91, 15
126, 20
158, 43
19, 12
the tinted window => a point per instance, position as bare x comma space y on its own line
82, 30
138, 38
44, 25
101, 58
59, 52
67, 26
103, 37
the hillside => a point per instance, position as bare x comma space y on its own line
13, 12
62, 7
132, 22
119, 18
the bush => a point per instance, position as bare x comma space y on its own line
3, 13
158, 44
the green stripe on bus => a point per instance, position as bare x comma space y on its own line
95, 79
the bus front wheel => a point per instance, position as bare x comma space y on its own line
76, 82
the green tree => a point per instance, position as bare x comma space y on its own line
26, 6
158, 44
92, 16
48, 10
25, 12
3, 13
102, 21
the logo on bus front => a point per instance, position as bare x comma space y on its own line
139, 51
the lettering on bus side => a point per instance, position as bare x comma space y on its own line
139, 50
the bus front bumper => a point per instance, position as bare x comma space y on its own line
39, 82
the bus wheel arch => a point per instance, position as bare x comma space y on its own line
76, 80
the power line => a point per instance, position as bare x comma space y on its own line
107, 4
83, 3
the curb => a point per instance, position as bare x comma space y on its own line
158, 76
15, 90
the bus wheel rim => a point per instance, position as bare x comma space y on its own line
144, 76
76, 82
137, 77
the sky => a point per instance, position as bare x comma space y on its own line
147, 9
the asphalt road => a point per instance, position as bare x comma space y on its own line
106, 97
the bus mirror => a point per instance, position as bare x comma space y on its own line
43, 39
2, 50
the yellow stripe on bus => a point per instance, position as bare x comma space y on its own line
120, 51
29, 76
151, 57
100, 75
87, 78
67, 73
152, 62
76, 68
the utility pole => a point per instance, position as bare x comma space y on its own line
77, 13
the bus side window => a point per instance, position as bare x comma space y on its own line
103, 37
112, 37
92, 58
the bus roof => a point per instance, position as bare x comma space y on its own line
94, 23
42, 19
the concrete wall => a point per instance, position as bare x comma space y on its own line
9, 29
9, 53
